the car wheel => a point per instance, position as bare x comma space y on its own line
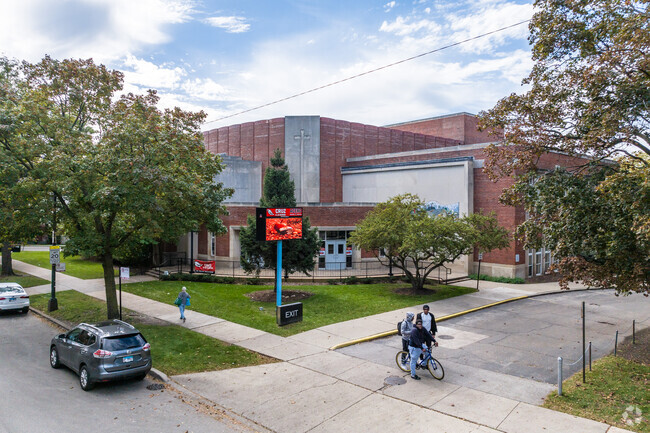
54, 358
84, 379
141, 377
25, 310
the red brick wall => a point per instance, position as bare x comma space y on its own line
459, 127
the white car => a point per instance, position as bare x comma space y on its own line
13, 297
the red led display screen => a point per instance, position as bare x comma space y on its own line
278, 224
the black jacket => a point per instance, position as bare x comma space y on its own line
434, 328
420, 337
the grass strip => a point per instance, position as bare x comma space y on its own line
75, 266
174, 349
328, 304
24, 280
616, 393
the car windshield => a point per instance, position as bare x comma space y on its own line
123, 342
11, 290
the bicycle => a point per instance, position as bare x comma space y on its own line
428, 362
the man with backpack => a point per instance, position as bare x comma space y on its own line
404, 329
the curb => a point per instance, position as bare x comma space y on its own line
452, 316
155, 373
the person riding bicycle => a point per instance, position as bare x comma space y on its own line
405, 329
419, 340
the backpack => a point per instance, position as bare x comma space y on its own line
399, 327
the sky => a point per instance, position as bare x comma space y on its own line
229, 56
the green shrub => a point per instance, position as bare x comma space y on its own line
499, 279
332, 282
351, 280
199, 278
254, 282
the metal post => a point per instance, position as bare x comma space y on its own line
633, 331
615, 343
191, 252
53, 304
478, 275
559, 375
278, 276
584, 349
590, 356
120, 295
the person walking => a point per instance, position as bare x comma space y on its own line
184, 299
418, 341
405, 329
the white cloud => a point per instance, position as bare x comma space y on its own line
230, 24
149, 75
389, 6
405, 26
102, 29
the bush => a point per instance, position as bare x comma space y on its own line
498, 279
333, 282
351, 280
254, 282
199, 278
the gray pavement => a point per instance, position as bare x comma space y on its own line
317, 389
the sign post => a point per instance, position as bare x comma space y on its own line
279, 224
55, 259
124, 273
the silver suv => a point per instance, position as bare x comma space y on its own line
102, 352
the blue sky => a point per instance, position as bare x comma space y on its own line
224, 57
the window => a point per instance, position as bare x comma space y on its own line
74, 335
213, 244
340, 249
123, 342
547, 260
531, 263
330, 249
538, 262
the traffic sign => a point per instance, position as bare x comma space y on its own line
55, 255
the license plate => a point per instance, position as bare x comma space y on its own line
127, 359
12, 299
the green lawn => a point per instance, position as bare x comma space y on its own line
614, 385
74, 265
329, 304
174, 349
24, 280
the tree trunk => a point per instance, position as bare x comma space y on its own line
112, 310
7, 268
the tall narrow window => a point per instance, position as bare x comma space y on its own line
213, 244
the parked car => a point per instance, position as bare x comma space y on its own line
102, 352
13, 297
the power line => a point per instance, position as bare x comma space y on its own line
368, 72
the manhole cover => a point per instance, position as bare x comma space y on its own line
155, 386
445, 337
394, 380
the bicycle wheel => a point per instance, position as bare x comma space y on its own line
435, 368
406, 366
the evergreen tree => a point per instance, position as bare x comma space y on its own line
297, 255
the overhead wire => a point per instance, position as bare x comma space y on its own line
352, 77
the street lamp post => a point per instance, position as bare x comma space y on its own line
192, 251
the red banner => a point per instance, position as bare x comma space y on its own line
204, 267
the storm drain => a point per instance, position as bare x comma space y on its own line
155, 386
394, 380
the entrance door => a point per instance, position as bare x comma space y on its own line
335, 255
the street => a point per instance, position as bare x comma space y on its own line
36, 398
512, 349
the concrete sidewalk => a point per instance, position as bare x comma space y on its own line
316, 389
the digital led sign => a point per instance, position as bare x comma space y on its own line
278, 224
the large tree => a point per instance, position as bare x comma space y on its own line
124, 173
417, 243
24, 213
297, 255
588, 95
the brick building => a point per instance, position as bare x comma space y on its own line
341, 169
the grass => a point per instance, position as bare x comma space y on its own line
74, 265
614, 385
24, 280
174, 349
329, 304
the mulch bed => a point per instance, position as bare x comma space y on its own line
639, 352
287, 295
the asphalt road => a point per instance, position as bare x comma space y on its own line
36, 398
512, 349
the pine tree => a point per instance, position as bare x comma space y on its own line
297, 255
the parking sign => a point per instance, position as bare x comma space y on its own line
55, 255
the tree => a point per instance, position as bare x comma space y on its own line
597, 223
588, 96
297, 255
23, 213
417, 243
123, 172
